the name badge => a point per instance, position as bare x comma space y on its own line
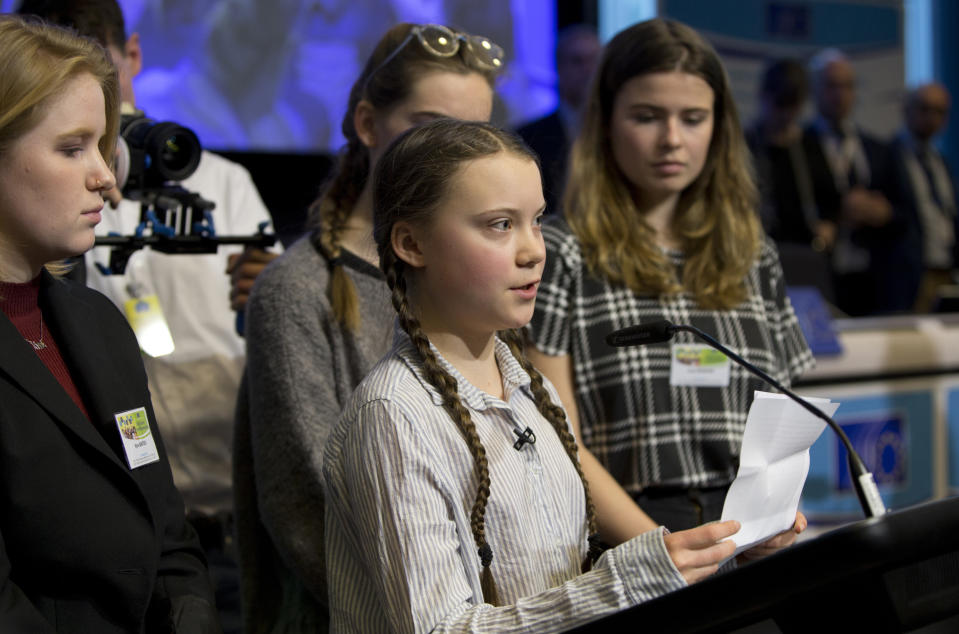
137, 437
699, 365
149, 325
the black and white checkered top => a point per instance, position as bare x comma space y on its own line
645, 431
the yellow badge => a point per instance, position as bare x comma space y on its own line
149, 325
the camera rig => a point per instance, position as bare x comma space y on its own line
152, 157
174, 220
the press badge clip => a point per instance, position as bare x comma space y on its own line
150, 327
137, 437
146, 318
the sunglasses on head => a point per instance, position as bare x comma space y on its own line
441, 41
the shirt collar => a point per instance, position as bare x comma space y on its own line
514, 376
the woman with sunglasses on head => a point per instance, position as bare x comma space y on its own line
661, 223
93, 536
320, 317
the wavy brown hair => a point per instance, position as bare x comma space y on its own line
382, 86
37, 61
411, 180
715, 217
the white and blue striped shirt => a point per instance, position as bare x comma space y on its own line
400, 486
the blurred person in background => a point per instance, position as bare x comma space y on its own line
855, 188
577, 53
788, 206
928, 193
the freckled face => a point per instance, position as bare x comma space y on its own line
484, 252
660, 130
51, 181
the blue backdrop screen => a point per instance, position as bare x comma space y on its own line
275, 76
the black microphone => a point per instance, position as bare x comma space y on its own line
655, 332
525, 436
660, 331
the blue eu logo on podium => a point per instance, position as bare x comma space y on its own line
882, 444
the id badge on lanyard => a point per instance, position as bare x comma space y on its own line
144, 313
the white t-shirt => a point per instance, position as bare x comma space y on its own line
194, 388
193, 290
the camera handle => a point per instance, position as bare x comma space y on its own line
178, 222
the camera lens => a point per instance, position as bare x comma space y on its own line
174, 150
158, 152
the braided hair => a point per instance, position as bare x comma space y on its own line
382, 86
410, 182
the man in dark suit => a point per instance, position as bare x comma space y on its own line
88, 541
577, 53
854, 188
788, 206
928, 193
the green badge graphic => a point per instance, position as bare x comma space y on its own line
702, 357
134, 424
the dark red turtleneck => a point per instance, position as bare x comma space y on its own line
20, 303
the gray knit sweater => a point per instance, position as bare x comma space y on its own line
301, 368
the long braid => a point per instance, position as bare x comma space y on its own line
557, 418
447, 386
330, 214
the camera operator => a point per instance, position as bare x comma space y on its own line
194, 388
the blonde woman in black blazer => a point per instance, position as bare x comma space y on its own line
92, 531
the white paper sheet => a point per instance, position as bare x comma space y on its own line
773, 466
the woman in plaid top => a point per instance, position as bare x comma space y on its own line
660, 223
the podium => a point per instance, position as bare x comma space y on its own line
895, 573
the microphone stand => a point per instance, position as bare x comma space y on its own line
865, 485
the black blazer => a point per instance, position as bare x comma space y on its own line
86, 543
899, 151
828, 198
885, 244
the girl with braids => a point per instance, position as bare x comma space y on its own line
455, 498
319, 318
661, 223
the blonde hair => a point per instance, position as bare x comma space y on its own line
715, 217
382, 86
411, 180
36, 61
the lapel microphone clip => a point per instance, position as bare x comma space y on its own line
525, 436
